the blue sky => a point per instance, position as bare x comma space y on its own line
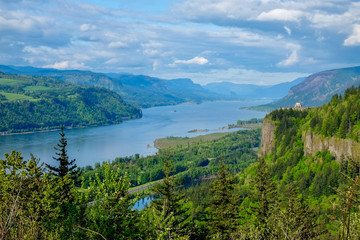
247, 41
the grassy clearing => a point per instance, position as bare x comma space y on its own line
171, 142
15, 96
11, 82
37, 88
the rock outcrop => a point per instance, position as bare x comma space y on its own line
267, 138
340, 148
336, 146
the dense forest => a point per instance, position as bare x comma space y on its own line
217, 189
39, 103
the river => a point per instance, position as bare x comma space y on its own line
98, 144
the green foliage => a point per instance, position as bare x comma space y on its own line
223, 205
251, 123
37, 103
191, 162
340, 117
66, 166
264, 198
31, 203
109, 212
295, 220
172, 208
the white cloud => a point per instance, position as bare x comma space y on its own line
293, 58
66, 65
155, 65
196, 60
87, 27
338, 22
117, 44
281, 15
288, 30
354, 38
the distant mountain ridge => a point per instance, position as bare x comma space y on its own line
139, 90
242, 91
318, 88
146, 91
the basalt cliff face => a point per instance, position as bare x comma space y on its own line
267, 138
340, 148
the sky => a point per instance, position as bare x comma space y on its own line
261, 42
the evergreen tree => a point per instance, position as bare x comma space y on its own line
350, 199
110, 210
264, 197
63, 194
223, 209
173, 209
24, 208
296, 220
66, 167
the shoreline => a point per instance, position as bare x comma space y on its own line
58, 129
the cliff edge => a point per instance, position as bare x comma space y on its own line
267, 138
346, 148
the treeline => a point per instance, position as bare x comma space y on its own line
37, 103
340, 117
253, 122
191, 162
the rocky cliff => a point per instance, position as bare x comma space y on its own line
336, 146
267, 138
312, 143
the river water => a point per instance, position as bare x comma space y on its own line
98, 144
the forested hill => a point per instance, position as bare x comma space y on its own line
138, 90
147, 91
319, 88
40, 103
316, 151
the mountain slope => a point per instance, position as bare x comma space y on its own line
139, 90
150, 91
38, 103
318, 88
242, 91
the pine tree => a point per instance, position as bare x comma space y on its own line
110, 211
173, 209
223, 209
64, 195
265, 197
297, 220
66, 167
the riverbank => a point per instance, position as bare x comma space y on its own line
90, 145
171, 142
49, 129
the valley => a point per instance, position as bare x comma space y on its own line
293, 177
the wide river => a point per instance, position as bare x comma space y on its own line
98, 144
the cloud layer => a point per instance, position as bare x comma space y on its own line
217, 40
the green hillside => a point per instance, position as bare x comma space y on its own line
137, 90
40, 103
323, 176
